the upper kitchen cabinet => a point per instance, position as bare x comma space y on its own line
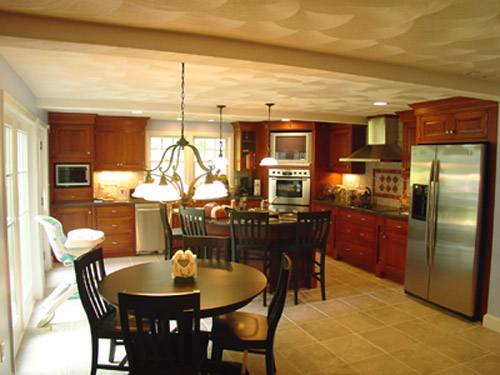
344, 140
409, 129
120, 143
454, 120
250, 145
71, 137
291, 126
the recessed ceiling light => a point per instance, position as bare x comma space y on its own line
210, 120
137, 112
379, 103
179, 119
285, 119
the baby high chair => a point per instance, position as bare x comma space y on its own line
65, 249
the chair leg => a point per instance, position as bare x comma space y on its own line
112, 350
322, 277
95, 354
295, 277
270, 365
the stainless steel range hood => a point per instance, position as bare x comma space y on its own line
382, 142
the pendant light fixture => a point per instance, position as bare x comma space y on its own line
268, 161
220, 162
170, 187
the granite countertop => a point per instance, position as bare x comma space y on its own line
374, 209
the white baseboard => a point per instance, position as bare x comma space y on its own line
491, 322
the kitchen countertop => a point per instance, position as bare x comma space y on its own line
374, 209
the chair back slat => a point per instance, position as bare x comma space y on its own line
209, 247
192, 221
249, 231
90, 271
154, 347
312, 229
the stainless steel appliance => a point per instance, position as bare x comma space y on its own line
444, 225
292, 148
72, 175
289, 189
149, 228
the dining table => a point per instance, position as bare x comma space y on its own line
224, 286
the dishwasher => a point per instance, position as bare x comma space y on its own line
149, 231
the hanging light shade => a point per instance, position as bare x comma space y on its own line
220, 162
269, 161
170, 188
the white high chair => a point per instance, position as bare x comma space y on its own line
65, 249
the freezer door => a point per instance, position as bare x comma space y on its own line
454, 260
417, 257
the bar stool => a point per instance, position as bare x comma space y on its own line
311, 233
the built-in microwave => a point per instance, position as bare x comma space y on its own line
72, 175
292, 148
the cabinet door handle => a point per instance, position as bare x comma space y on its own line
347, 249
361, 253
398, 226
114, 243
88, 152
89, 212
113, 211
114, 225
363, 218
72, 197
349, 216
361, 234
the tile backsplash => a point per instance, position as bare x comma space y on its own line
384, 180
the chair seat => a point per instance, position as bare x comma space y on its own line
241, 330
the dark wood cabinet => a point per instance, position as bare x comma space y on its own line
250, 145
120, 143
71, 137
409, 138
74, 217
357, 240
392, 249
117, 221
345, 139
455, 120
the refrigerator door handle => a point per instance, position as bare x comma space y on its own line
435, 195
428, 219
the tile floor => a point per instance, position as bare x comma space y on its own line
366, 326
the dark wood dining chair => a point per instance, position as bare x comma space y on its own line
192, 221
102, 317
311, 233
250, 240
170, 234
209, 247
165, 336
252, 333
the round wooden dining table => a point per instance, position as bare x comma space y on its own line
224, 286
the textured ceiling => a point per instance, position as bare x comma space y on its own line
316, 59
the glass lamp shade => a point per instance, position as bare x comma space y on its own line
268, 161
212, 190
143, 189
220, 163
163, 193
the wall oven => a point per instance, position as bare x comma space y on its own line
71, 175
289, 189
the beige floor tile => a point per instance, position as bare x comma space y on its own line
383, 364
419, 329
303, 313
448, 322
457, 370
292, 336
359, 322
364, 302
389, 315
324, 329
423, 359
335, 308
454, 347
312, 358
352, 348
341, 370
489, 365
388, 338
390, 296
416, 308
483, 337
343, 290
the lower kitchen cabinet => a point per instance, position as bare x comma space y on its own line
392, 249
357, 238
117, 221
74, 217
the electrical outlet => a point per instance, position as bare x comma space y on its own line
2, 351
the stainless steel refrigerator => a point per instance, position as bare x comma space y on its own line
444, 225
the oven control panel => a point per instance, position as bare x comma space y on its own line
290, 173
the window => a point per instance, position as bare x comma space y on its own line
188, 169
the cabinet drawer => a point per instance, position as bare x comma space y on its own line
72, 195
115, 211
396, 226
119, 244
116, 224
357, 233
357, 217
357, 252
